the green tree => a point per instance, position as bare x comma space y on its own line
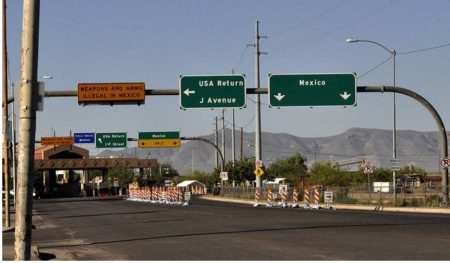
242, 171
411, 169
381, 174
157, 175
125, 175
326, 174
292, 168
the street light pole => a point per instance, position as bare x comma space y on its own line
394, 125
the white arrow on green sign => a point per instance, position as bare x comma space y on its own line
322, 89
216, 91
111, 140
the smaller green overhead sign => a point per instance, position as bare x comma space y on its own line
111, 140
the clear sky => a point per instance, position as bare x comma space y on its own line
155, 41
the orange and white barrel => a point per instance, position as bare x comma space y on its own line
306, 198
257, 193
269, 198
316, 197
295, 198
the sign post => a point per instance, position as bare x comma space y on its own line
225, 91
310, 90
328, 198
368, 169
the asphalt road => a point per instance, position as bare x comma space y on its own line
206, 230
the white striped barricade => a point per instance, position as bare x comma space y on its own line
169, 195
159, 194
306, 198
131, 195
179, 196
316, 198
173, 195
269, 197
164, 195
295, 198
257, 193
154, 196
146, 194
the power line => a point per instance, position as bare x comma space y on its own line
403, 53
292, 27
425, 49
373, 68
241, 57
336, 28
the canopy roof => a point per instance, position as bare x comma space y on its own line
190, 183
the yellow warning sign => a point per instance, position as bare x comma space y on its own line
258, 171
158, 143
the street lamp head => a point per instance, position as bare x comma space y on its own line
47, 77
352, 40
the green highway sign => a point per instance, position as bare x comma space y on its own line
159, 139
321, 89
111, 140
226, 91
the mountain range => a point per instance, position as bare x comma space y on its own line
416, 148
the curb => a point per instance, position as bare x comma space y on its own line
78, 199
345, 207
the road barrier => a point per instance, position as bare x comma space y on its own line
295, 198
316, 198
269, 198
257, 193
283, 197
161, 195
306, 198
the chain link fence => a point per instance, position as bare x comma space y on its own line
422, 196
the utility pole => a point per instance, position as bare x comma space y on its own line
223, 133
394, 134
258, 155
217, 144
5, 119
27, 124
193, 162
13, 132
233, 140
242, 143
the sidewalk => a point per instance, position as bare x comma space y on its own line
428, 210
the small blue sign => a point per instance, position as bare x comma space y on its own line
84, 137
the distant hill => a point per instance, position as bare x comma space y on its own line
374, 145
